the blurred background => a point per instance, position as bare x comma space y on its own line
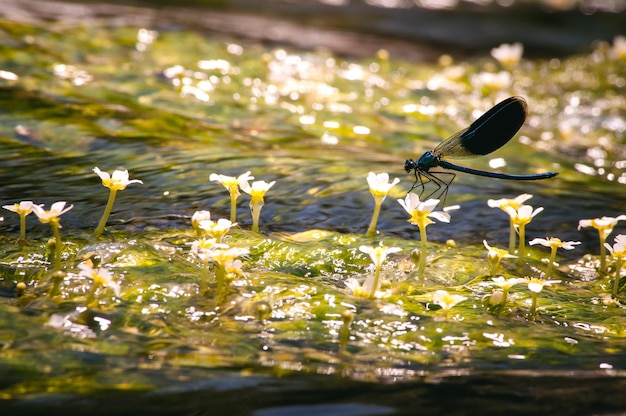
409, 29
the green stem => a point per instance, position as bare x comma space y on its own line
493, 269
602, 253
233, 205
551, 262
511, 237
255, 209
344, 336
376, 281
57, 278
618, 271
58, 245
92, 293
204, 276
505, 296
521, 252
107, 212
220, 276
422, 266
22, 240
533, 306
371, 230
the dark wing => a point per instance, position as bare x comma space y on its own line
496, 127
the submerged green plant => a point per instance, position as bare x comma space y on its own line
232, 184
118, 181
420, 215
51, 217
618, 250
554, 244
379, 187
257, 192
604, 226
520, 218
22, 209
515, 203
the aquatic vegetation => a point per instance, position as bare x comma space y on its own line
536, 285
51, 217
216, 229
295, 297
515, 203
232, 185
447, 300
100, 277
520, 218
197, 217
554, 244
22, 208
118, 181
379, 187
257, 192
618, 250
371, 286
421, 212
495, 256
605, 226
505, 286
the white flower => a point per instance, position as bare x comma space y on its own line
101, 276
365, 289
234, 267
52, 215
202, 248
523, 215
379, 184
22, 208
230, 182
495, 254
257, 191
508, 55
536, 285
446, 300
604, 225
379, 253
224, 256
618, 50
619, 248
216, 229
554, 242
200, 216
421, 211
116, 182
498, 80
516, 202
507, 284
